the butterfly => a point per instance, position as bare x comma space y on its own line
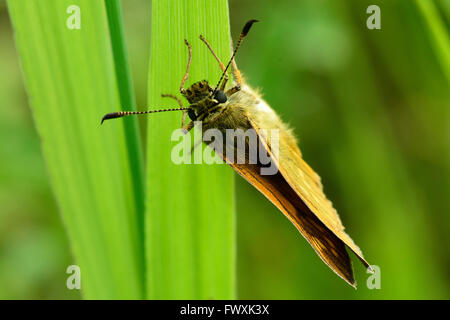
294, 188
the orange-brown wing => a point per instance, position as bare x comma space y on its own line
295, 189
326, 244
306, 183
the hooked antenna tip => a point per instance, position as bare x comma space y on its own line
247, 26
111, 115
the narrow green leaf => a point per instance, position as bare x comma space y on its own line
190, 231
127, 101
71, 83
438, 34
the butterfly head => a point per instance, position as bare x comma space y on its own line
197, 92
202, 98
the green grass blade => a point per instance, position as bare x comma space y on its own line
127, 101
438, 34
71, 83
190, 229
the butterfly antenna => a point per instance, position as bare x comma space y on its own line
244, 32
121, 114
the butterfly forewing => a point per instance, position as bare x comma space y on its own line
295, 189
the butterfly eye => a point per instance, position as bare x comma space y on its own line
192, 115
220, 96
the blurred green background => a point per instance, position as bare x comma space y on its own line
371, 109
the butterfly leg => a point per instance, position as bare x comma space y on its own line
186, 75
188, 127
222, 66
183, 119
233, 90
